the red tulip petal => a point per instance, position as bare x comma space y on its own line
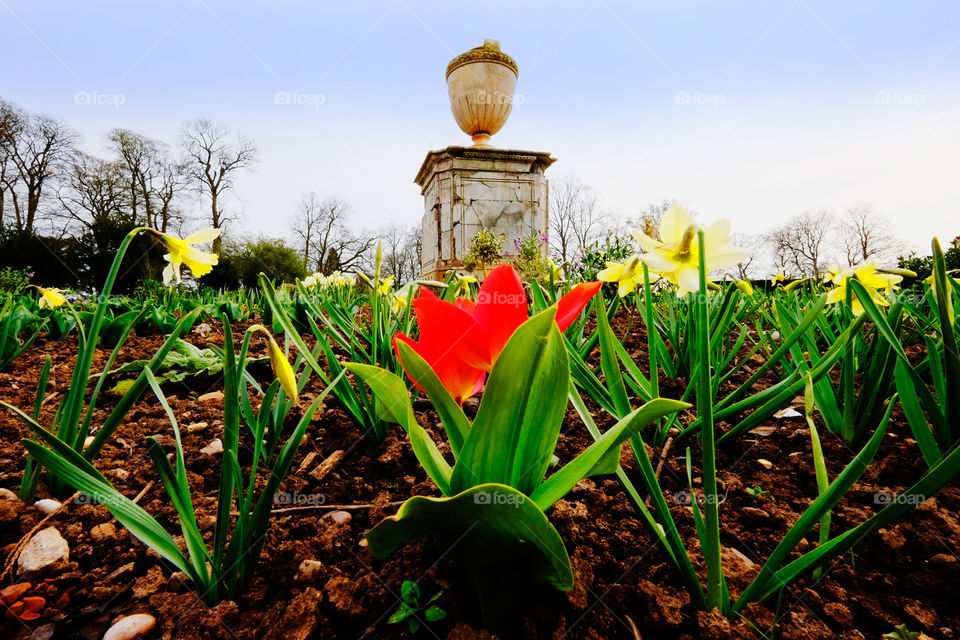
501, 307
570, 305
442, 323
457, 377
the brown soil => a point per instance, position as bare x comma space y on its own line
906, 574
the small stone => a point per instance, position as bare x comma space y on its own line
338, 517
213, 396
766, 464
177, 581
308, 570
213, 448
197, 426
44, 549
8, 496
743, 558
755, 512
44, 632
88, 441
47, 505
103, 531
789, 412
207, 522
119, 474
130, 627
763, 432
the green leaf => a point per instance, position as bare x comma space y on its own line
451, 414
391, 391
519, 419
603, 456
500, 537
434, 613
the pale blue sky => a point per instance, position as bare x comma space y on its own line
749, 110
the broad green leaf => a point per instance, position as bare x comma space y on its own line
519, 419
603, 456
500, 537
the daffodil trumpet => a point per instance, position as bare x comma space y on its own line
182, 252
50, 298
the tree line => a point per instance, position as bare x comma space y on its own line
63, 211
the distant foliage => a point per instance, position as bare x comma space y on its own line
241, 263
529, 257
923, 265
612, 248
14, 280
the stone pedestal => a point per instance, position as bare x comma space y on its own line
466, 189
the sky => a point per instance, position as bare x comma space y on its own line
747, 110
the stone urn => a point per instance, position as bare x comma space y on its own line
481, 83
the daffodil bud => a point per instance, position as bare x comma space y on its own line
744, 286
282, 370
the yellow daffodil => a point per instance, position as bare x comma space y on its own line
933, 291
463, 283
400, 297
777, 278
676, 256
628, 275
385, 285
866, 274
556, 272
183, 252
282, 370
50, 298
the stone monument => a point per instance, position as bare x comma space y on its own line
466, 189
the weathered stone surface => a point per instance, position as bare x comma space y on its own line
43, 549
466, 189
7, 495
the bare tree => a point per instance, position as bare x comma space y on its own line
865, 235
35, 149
92, 191
801, 246
320, 226
754, 244
401, 252
574, 220
11, 127
213, 161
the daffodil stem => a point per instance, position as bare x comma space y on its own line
711, 507
651, 345
849, 426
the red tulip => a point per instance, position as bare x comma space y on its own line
462, 340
